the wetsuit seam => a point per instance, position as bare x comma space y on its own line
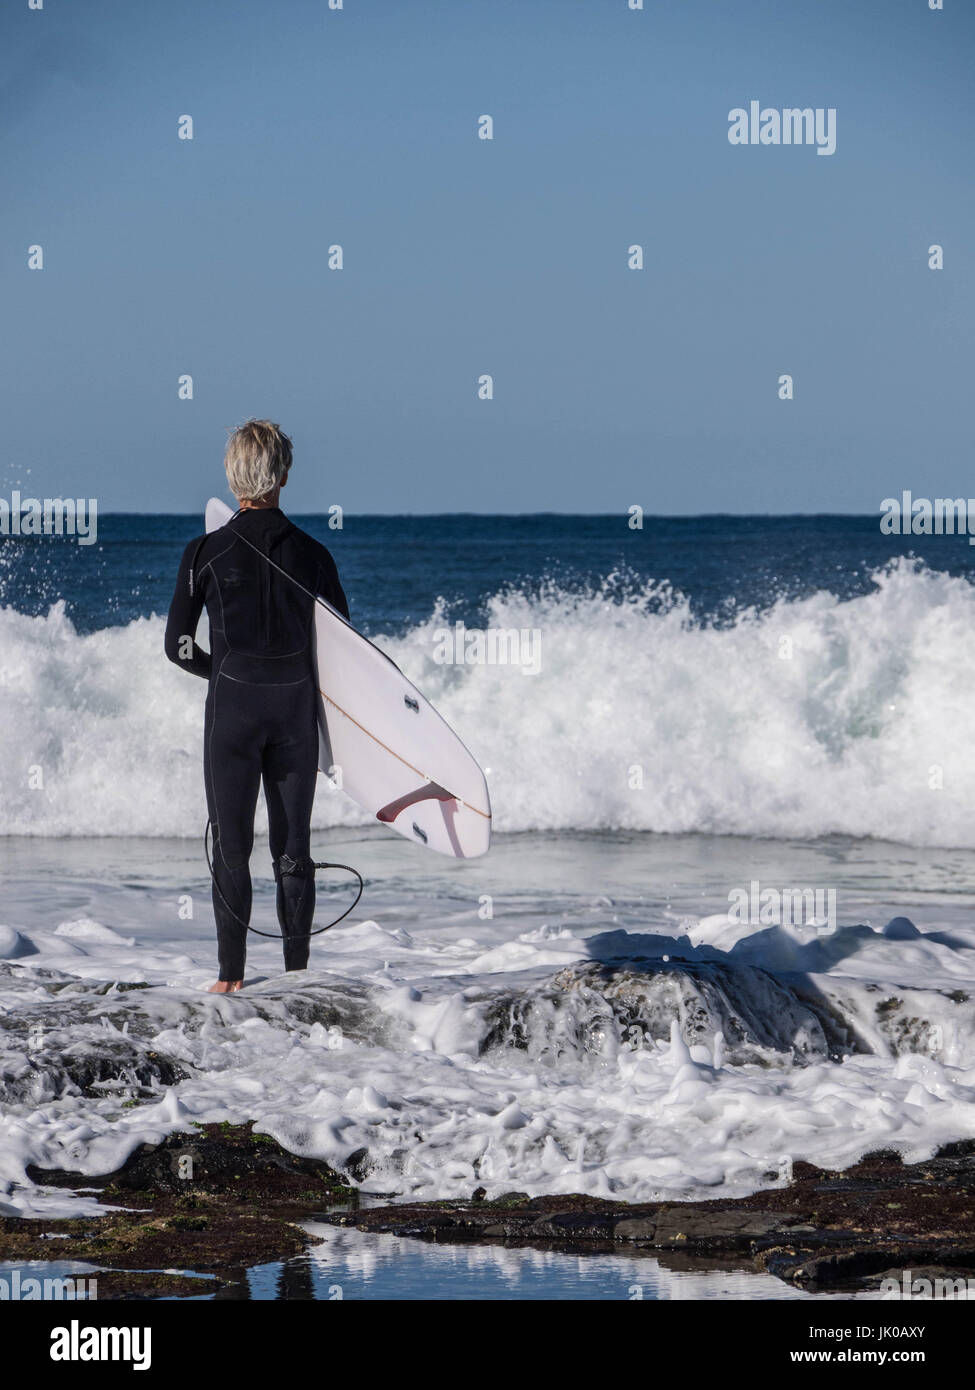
209, 563
223, 621
284, 656
269, 685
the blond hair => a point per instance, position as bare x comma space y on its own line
257, 457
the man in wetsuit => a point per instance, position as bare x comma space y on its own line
261, 706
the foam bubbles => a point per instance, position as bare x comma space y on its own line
813, 717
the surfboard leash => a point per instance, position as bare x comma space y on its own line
281, 936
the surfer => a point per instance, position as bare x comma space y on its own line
261, 708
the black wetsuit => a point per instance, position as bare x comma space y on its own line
261, 712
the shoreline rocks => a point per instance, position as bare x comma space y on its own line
219, 1199
825, 1230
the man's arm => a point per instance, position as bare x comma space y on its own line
328, 585
184, 616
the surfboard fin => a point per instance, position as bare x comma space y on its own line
431, 792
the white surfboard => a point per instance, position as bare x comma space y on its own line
398, 759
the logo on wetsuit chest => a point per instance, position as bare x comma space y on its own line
233, 579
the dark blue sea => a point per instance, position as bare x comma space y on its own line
395, 568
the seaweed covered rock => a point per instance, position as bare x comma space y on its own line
224, 1159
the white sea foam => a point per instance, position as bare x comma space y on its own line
813, 717
390, 1055
575, 1041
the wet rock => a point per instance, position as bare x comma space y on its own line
574, 1225
599, 1007
223, 1159
74, 1037
912, 1022
57, 1064
240, 1202
680, 1226
342, 1008
639, 1230
357, 1165
829, 1230
140, 1285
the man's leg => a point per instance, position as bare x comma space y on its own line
232, 775
290, 772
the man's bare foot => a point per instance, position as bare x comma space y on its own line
225, 987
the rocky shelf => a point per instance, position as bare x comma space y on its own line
825, 1230
213, 1201
220, 1199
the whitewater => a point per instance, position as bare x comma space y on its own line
808, 717
577, 1012
640, 1046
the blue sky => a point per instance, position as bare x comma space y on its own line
507, 257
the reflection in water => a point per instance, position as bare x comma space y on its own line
350, 1264
295, 1280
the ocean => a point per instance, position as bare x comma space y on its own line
716, 711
